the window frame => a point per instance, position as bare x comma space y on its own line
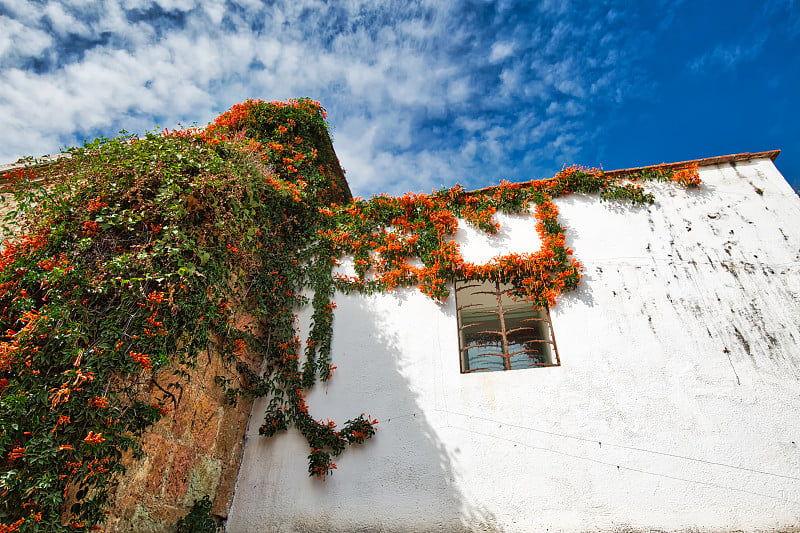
499, 291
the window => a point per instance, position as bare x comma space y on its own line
499, 331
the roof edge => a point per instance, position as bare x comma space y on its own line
30, 163
704, 162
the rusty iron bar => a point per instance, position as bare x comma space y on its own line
503, 332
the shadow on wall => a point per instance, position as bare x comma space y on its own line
404, 479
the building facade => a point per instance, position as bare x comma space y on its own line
668, 399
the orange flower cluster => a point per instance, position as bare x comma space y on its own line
90, 228
11, 528
568, 171
95, 205
156, 325
143, 359
243, 114
56, 262
239, 346
688, 177
320, 471
25, 245
94, 438
59, 396
19, 175
156, 297
62, 420
98, 402
16, 453
80, 378
10, 350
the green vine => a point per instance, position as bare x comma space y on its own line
199, 519
140, 254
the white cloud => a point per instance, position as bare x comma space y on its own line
557, 7
64, 22
18, 41
500, 51
726, 57
420, 94
569, 108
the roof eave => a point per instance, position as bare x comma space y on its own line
704, 162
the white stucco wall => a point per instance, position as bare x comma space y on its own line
647, 423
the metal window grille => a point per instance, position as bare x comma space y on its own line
499, 331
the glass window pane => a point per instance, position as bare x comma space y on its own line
498, 331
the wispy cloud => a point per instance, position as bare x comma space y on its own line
727, 56
421, 94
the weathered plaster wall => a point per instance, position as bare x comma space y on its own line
675, 406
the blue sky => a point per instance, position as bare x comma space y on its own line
420, 93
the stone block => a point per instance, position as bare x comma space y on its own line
180, 473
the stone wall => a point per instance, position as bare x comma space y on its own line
192, 452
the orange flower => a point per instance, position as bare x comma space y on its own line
94, 438
16, 453
59, 396
99, 402
688, 177
63, 419
143, 359
91, 228
95, 205
239, 346
155, 297
11, 527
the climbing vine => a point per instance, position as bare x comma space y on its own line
137, 255
385, 235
